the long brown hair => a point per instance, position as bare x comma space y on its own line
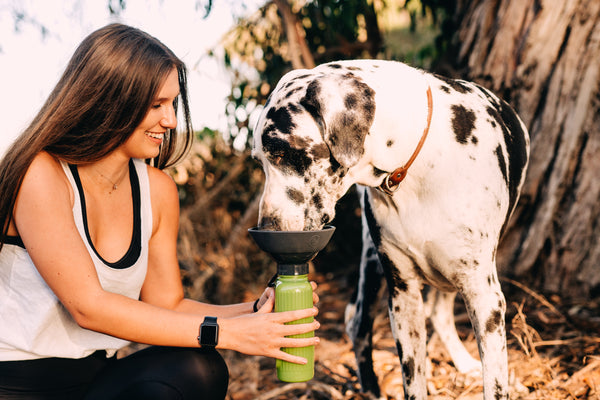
105, 92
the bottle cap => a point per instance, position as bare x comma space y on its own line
292, 269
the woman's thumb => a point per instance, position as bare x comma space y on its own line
269, 304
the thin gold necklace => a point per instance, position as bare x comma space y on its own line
115, 185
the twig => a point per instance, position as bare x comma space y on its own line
240, 230
535, 295
333, 393
330, 372
330, 390
564, 342
468, 390
522, 331
591, 366
281, 390
202, 204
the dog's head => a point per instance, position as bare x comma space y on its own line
309, 138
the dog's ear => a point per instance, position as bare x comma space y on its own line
345, 137
344, 117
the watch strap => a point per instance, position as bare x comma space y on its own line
208, 335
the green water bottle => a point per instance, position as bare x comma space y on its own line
294, 292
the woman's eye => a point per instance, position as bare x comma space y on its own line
155, 105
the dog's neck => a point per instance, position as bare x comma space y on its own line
392, 180
391, 152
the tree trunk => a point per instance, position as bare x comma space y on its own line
543, 57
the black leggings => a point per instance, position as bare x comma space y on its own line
156, 373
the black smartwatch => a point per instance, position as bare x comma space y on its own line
209, 333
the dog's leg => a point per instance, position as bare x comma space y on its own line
442, 319
407, 319
486, 307
406, 309
360, 313
360, 327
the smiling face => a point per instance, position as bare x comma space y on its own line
148, 136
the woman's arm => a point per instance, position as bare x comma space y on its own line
163, 281
44, 219
163, 286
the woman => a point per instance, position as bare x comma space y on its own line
88, 248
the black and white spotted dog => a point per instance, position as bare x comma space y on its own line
439, 164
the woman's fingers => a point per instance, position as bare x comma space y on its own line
298, 329
291, 343
268, 296
282, 355
266, 333
315, 295
302, 342
295, 315
266, 301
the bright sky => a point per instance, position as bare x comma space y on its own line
30, 65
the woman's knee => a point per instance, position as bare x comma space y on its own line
169, 373
195, 373
206, 371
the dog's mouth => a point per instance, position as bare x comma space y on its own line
288, 216
276, 224
269, 224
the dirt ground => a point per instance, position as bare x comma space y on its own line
560, 361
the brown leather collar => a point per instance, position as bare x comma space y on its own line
391, 182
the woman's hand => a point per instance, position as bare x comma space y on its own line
264, 333
270, 292
315, 295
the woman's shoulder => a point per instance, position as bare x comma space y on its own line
162, 186
45, 168
45, 178
159, 177
165, 198
46, 160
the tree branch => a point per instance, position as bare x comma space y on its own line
300, 54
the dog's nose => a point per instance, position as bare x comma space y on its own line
270, 223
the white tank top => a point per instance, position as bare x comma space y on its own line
33, 323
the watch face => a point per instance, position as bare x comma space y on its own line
209, 335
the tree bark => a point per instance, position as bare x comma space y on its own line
543, 57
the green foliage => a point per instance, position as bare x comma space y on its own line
331, 25
413, 44
442, 13
333, 29
206, 133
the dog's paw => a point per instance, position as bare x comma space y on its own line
468, 365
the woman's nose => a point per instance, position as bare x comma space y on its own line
169, 119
